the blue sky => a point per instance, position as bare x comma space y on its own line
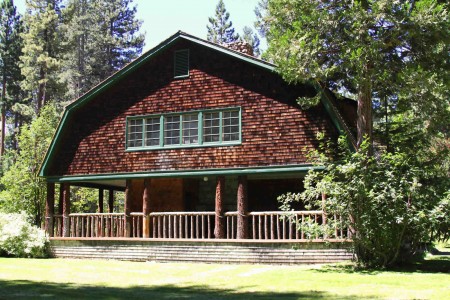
163, 18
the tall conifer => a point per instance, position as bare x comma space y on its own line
41, 59
220, 29
10, 50
100, 37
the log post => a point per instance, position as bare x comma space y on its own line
100, 201
219, 228
146, 209
50, 208
242, 207
111, 201
127, 219
66, 209
60, 209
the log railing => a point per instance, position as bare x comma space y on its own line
182, 225
91, 225
268, 225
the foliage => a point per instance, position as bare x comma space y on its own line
394, 203
24, 189
20, 239
221, 30
10, 51
99, 37
41, 59
382, 51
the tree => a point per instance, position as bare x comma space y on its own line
10, 51
252, 39
41, 59
392, 58
221, 30
100, 37
24, 189
372, 50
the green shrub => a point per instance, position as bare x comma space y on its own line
20, 239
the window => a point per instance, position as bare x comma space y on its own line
211, 127
152, 131
190, 129
172, 130
181, 63
135, 133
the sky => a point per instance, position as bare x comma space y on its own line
163, 18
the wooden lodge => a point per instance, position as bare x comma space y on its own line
202, 139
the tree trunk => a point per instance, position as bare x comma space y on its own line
2, 146
364, 122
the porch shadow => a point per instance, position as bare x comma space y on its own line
24, 289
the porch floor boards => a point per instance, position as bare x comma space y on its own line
202, 251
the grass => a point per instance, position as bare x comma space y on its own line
103, 279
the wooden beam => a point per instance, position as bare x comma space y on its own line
66, 209
219, 227
242, 208
98, 186
146, 209
50, 208
127, 211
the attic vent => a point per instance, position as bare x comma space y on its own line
181, 62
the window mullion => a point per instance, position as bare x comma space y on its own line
220, 127
200, 128
161, 131
180, 135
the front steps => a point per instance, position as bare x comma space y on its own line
202, 251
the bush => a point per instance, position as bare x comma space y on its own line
395, 204
20, 239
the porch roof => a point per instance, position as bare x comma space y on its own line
118, 179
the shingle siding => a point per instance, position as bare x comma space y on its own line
275, 131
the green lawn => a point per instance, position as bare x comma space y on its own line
103, 279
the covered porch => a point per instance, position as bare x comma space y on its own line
207, 207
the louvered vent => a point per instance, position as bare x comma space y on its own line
181, 68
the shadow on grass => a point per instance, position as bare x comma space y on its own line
23, 289
434, 264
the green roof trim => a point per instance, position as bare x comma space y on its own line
190, 173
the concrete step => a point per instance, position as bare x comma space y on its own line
210, 253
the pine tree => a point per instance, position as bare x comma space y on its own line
221, 30
10, 50
41, 59
100, 37
252, 39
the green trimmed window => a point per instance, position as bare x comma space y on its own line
188, 129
